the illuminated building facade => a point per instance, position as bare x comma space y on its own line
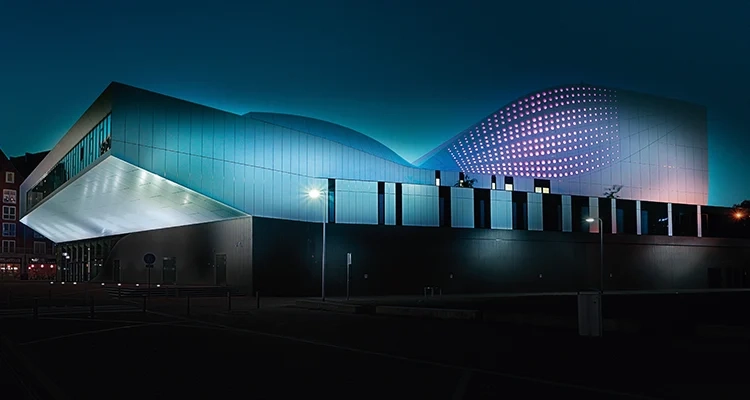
24, 253
222, 198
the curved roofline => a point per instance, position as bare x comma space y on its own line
433, 152
392, 155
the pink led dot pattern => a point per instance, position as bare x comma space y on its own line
555, 133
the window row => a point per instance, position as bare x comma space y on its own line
9, 229
9, 246
9, 213
9, 196
540, 185
97, 142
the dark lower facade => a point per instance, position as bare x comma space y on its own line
282, 258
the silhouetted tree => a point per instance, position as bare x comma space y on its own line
741, 213
467, 182
612, 192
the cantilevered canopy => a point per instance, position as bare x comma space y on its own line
114, 197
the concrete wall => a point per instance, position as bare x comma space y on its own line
193, 247
403, 259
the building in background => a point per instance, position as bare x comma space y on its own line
25, 254
222, 198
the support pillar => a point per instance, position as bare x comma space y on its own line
700, 221
669, 219
638, 217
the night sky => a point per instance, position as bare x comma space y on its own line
408, 73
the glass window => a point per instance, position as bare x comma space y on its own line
509, 183
38, 235
10, 177
541, 185
40, 248
9, 196
81, 156
9, 246
9, 229
9, 213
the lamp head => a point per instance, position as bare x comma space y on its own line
590, 220
314, 193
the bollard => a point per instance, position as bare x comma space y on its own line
119, 293
257, 299
49, 298
91, 307
36, 308
10, 298
188, 305
144, 303
229, 301
425, 292
441, 293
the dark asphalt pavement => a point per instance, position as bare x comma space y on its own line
9, 387
285, 352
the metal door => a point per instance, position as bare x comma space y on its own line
220, 266
169, 271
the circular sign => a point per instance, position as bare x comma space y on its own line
149, 258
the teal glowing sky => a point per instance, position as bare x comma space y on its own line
411, 74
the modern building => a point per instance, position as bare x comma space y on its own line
25, 254
224, 199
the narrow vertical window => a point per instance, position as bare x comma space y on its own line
331, 201
399, 205
381, 203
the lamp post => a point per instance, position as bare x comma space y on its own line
314, 194
601, 252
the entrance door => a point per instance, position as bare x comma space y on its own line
220, 265
169, 271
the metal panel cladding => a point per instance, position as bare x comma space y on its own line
555, 133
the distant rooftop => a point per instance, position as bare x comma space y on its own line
27, 162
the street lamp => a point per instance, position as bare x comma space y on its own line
314, 194
601, 252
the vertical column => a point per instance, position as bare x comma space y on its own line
567, 214
594, 213
501, 210
534, 211
700, 221
614, 215
669, 219
638, 217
